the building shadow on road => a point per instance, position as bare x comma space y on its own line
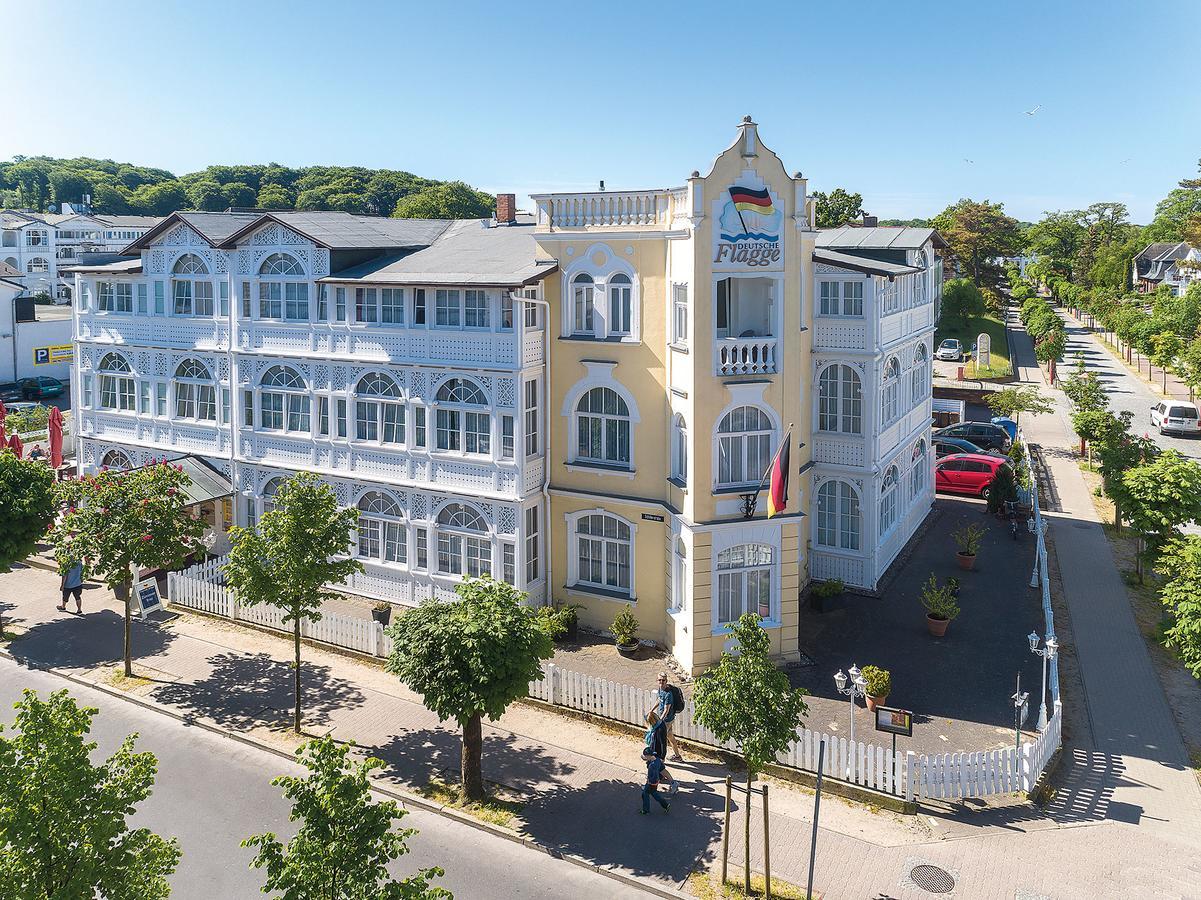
241, 692
84, 642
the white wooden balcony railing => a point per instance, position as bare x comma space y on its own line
746, 356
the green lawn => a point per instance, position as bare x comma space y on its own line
967, 334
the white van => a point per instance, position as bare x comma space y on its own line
1175, 416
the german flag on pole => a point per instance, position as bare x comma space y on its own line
751, 200
777, 489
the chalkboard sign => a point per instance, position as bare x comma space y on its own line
149, 601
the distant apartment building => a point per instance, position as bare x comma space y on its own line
583, 403
39, 246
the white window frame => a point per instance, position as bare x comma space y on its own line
379, 406
889, 501
292, 400
738, 571
919, 475
679, 314
192, 288
195, 394
453, 417
382, 533
679, 449
840, 400
890, 390
604, 551
614, 428
589, 292
736, 447
457, 546
839, 517
920, 384
283, 287
117, 384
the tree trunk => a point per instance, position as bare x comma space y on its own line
1117, 517
1165, 381
128, 642
472, 772
746, 834
296, 673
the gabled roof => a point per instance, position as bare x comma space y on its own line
214, 227
129, 221
7, 271
862, 264
879, 237
126, 266
467, 252
344, 231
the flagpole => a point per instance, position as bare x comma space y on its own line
739, 211
771, 465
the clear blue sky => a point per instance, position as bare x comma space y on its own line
885, 98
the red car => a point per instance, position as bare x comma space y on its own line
966, 473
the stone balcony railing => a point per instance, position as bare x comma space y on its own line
610, 209
746, 356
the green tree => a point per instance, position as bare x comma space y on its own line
298, 549
1086, 391
977, 234
238, 194
275, 196
1121, 451
159, 199
207, 195
1176, 211
1165, 348
747, 700
110, 199
1057, 239
27, 508
1095, 426
345, 841
63, 828
1190, 366
837, 207
451, 200
1013, 401
1180, 565
961, 301
118, 523
1162, 495
470, 659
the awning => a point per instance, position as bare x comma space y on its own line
204, 482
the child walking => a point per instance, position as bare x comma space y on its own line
654, 775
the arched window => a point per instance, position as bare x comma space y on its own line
839, 521
679, 575
840, 400
382, 533
583, 296
889, 402
604, 552
379, 411
461, 426
38, 266
116, 383
281, 296
116, 459
603, 428
195, 392
270, 489
679, 449
190, 287
464, 545
283, 401
744, 446
888, 500
12, 261
917, 473
919, 375
620, 307
744, 582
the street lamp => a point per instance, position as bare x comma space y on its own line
852, 687
1047, 653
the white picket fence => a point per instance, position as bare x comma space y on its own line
199, 588
903, 774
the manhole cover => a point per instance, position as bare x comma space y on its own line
932, 879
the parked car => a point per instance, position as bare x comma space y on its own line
950, 349
945, 446
9, 392
984, 435
1175, 416
41, 387
966, 473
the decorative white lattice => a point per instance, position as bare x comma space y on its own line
269, 236
157, 262
826, 269
508, 520
417, 385
418, 507
320, 262
320, 377
223, 369
162, 364
505, 394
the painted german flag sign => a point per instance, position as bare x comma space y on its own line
777, 490
751, 200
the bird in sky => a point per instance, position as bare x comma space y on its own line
1126, 160
1031, 112
969, 161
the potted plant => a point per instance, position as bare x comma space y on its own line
560, 622
823, 594
1001, 490
953, 586
625, 631
382, 612
879, 684
940, 604
968, 538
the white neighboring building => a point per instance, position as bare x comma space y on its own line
390, 356
41, 245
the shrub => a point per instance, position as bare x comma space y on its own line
879, 681
625, 627
968, 538
1002, 489
557, 620
938, 600
828, 589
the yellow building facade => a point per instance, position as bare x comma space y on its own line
680, 358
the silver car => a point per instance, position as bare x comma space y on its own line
1175, 416
950, 349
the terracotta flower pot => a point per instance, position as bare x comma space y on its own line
873, 702
967, 561
937, 627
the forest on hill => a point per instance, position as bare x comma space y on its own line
43, 183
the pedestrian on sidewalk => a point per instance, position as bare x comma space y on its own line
72, 585
655, 738
654, 775
671, 701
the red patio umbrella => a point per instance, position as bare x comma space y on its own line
15, 445
3, 416
56, 437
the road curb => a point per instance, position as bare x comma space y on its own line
405, 798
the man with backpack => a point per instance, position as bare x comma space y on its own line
671, 702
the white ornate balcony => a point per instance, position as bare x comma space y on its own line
610, 209
746, 356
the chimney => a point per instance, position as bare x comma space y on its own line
869, 221
506, 209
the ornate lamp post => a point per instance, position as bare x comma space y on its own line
1047, 653
853, 686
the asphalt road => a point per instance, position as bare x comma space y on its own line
1126, 391
212, 792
